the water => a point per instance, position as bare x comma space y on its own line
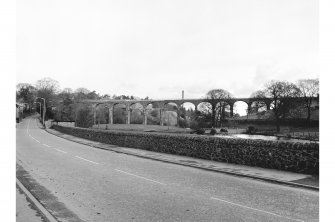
262, 137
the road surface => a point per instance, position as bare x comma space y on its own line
80, 183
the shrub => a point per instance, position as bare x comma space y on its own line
182, 123
213, 131
200, 131
251, 130
223, 130
194, 125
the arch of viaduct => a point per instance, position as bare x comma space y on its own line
110, 104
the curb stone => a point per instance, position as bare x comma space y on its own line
38, 205
267, 179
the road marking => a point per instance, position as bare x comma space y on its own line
263, 211
60, 150
46, 145
140, 177
28, 126
36, 140
87, 160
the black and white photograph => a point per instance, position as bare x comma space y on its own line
166, 110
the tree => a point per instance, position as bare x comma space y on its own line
84, 116
290, 90
281, 92
65, 105
106, 96
48, 85
26, 93
47, 88
215, 96
259, 94
309, 89
82, 90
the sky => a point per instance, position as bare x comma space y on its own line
159, 48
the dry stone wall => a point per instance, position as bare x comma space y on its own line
289, 156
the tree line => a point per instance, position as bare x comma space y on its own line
61, 104
281, 93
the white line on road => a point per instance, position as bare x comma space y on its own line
87, 160
60, 150
277, 215
36, 140
46, 145
140, 177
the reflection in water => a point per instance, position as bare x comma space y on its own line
262, 137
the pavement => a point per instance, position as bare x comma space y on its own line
25, 209
75, 182
270, 175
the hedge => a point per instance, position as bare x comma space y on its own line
289, 156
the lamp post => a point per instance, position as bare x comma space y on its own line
44, 109
40, 108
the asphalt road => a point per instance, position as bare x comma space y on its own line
90, 184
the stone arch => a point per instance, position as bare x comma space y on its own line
186, 111
258, 106
204, 106
101, 113
120, 113
241, 108
222, 112
137, 113
170, 113
152, 111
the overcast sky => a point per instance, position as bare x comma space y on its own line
159, 48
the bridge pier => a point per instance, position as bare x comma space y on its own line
231, 110
145, 122
268, 106
110, 115
249, 108
94, 114
161, 112
128, 114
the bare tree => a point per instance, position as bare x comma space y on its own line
47, 85
309, 89
82, 90
289, 91
281, 92
47, 88
259, 104
215, 96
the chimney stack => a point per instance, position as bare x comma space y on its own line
182, 94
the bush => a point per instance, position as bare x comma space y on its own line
194, 125
200, 131
213, 131
182, 123
251, 130
223, 130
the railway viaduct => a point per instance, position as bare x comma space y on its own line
161, 104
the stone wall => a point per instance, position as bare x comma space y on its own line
295, 157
